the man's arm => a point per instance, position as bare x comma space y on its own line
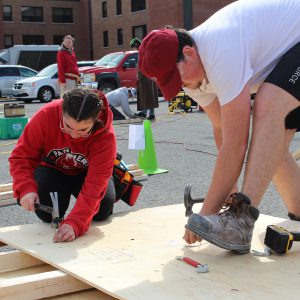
125, 106
235, 120
214, 114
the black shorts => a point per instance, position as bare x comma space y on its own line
286, 75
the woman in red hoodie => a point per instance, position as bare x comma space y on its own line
68, 148
68, 73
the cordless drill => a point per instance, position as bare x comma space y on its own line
279, 239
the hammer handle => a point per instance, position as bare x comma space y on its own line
296, 236
39, 206
191, 262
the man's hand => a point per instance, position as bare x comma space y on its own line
62, 85
191, 237
65, 233
28, 200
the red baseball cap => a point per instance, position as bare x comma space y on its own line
157, 60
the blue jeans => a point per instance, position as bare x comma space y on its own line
151, 112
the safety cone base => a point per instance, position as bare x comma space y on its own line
155, 171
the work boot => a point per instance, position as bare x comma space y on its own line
232, 228
140, 115
151, 118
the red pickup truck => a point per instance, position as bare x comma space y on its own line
112, 71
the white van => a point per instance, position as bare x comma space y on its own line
11, 73
35, 57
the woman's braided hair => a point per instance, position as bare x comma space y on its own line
84, 104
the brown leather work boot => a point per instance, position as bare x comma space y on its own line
232, 228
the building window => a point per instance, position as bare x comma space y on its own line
104, 9
32, 14
57, 39
33, 40
105, 39
7, 12
139, 31
8, 40
62, 15
119, 7
138, 5
120, 36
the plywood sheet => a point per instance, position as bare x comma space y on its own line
132, 256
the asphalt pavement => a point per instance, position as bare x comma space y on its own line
183, 145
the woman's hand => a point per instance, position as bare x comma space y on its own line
65, 233
28, 200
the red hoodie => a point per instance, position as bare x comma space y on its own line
66, 63
43, 140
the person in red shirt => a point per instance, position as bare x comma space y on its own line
68, 74
68, 147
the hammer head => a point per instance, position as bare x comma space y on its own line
189, 201
55, 218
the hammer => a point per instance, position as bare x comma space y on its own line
189, 201
51, 210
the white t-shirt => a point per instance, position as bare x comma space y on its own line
242, 43
119, 97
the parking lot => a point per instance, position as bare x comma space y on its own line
184, 145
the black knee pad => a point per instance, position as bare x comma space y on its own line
292, 120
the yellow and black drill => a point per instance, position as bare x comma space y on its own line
280, 240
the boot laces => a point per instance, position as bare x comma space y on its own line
232, 206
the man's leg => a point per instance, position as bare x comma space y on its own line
233, 228
286, 180
270, 139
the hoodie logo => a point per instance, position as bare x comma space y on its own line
66, 159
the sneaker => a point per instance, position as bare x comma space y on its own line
231, 229
293, 217
150, 118
140, 115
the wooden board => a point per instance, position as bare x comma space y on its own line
132, 256
24, 277
128, 121
5, 187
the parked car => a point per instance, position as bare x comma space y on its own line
112, 71
44, 86
86, 63
9, 74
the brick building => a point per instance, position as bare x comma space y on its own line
99, 26
116, 22
45, 22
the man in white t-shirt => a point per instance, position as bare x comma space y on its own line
249, 46
120, 98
